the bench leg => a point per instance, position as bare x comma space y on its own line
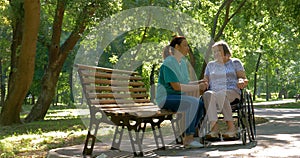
134, 135
158, 134
136, 140
142, 128
88, 149
176, 128
91, 137
117, 135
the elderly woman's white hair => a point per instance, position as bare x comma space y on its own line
225, 46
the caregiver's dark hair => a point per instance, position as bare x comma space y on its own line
169, 50
177, 40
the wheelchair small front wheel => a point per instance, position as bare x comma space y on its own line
244, 137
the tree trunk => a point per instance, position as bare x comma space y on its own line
255, 76
57, 56
152, 83
71, 86
49, 81
2, 83
22, 75
32, 100
206, 58
267, 82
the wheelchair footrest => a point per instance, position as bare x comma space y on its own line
232, 138
213, 139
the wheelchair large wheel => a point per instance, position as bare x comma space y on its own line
251, 129
243, 118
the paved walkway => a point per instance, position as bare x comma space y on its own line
280, 137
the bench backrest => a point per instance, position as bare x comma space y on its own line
113, 89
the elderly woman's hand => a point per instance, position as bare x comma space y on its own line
203, 84
242, 83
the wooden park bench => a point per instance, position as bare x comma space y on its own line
119, 98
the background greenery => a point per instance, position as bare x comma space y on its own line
269, 28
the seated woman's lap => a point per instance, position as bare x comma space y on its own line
192, 106
181, 102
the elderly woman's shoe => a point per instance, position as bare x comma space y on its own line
212, 135
230, 134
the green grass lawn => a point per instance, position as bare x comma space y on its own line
37, 138
293, 105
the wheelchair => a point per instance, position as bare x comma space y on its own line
243, 114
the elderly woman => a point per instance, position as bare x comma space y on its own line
225, 77
173, 84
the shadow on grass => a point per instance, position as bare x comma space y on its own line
39, 127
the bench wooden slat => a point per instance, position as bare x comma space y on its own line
119, 101
87, 67
111, 82
115, 89
142, 114
110, 76
125, 105
116, 95
135, 108
132, 109
139, 114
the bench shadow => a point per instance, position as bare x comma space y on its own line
231, 146
179, 150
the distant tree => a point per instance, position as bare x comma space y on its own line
5, 41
